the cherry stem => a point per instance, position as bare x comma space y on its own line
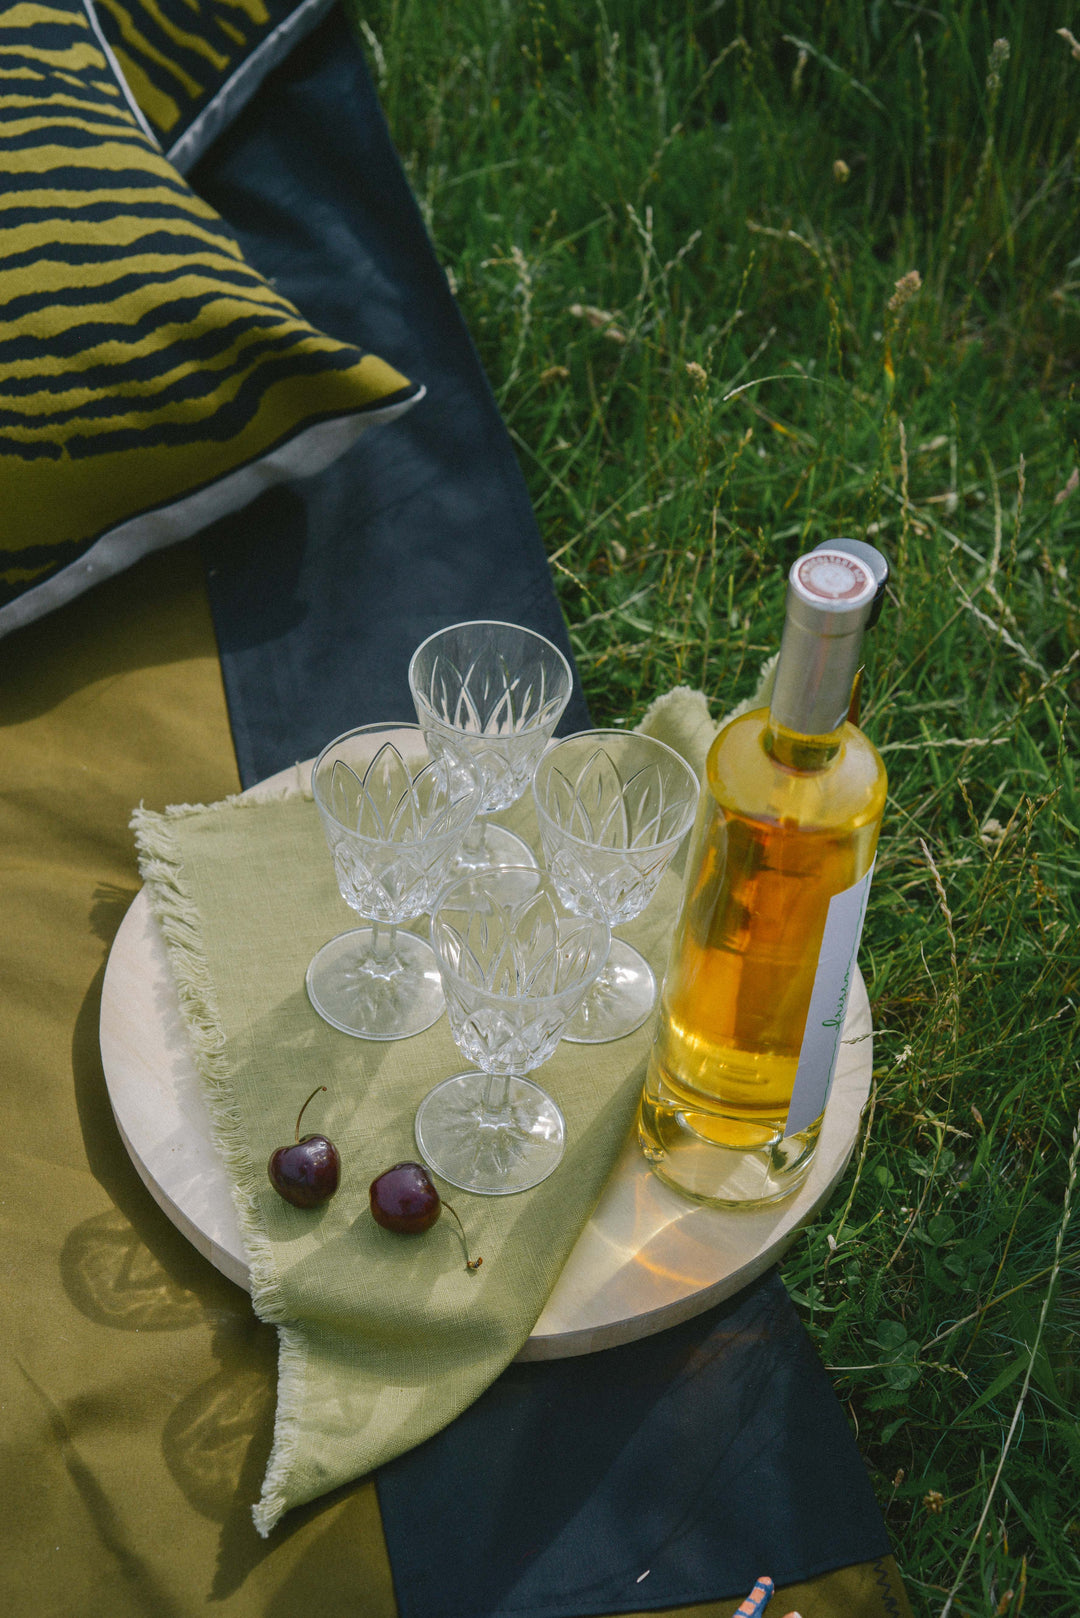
304, 1108
470, 1263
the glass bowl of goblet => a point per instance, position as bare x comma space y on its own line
515, 964
393, 818
498, 690
613, 807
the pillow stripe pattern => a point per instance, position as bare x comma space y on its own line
142, 359
192, 64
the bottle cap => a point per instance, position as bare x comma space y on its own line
875, 561
833, 580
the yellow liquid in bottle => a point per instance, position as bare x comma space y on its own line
786, 822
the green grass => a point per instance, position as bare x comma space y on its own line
677, 236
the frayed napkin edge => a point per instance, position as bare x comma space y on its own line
292, 1379
174, 910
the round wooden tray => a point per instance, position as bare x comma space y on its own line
647, 1259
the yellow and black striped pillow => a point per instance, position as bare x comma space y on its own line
192, 64
150, 379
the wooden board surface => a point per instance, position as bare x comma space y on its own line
648, 1258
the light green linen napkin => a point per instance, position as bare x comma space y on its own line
384, 1338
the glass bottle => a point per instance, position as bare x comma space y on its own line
778, 875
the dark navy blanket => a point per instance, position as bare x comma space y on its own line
321, 592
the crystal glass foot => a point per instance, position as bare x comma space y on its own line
613, 807
376, 978
393, 818
515, 964
498, 690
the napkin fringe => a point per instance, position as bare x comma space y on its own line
178, 918
682, 716
292, 1378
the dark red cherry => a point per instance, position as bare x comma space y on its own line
306, 1172
404, 1198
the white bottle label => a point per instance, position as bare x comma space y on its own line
828, 1005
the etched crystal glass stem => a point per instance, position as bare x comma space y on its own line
384, 953
496, 1094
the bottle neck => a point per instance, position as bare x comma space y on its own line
815, 673
796, 751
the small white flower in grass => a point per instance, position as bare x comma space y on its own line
999, 55
1073, 44
697, 373
840, 172
992, 833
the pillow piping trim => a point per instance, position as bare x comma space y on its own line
305, 453
121, 83
229, 99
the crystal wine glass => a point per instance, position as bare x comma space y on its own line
613, 807
499, 690
515, 964
393, 818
